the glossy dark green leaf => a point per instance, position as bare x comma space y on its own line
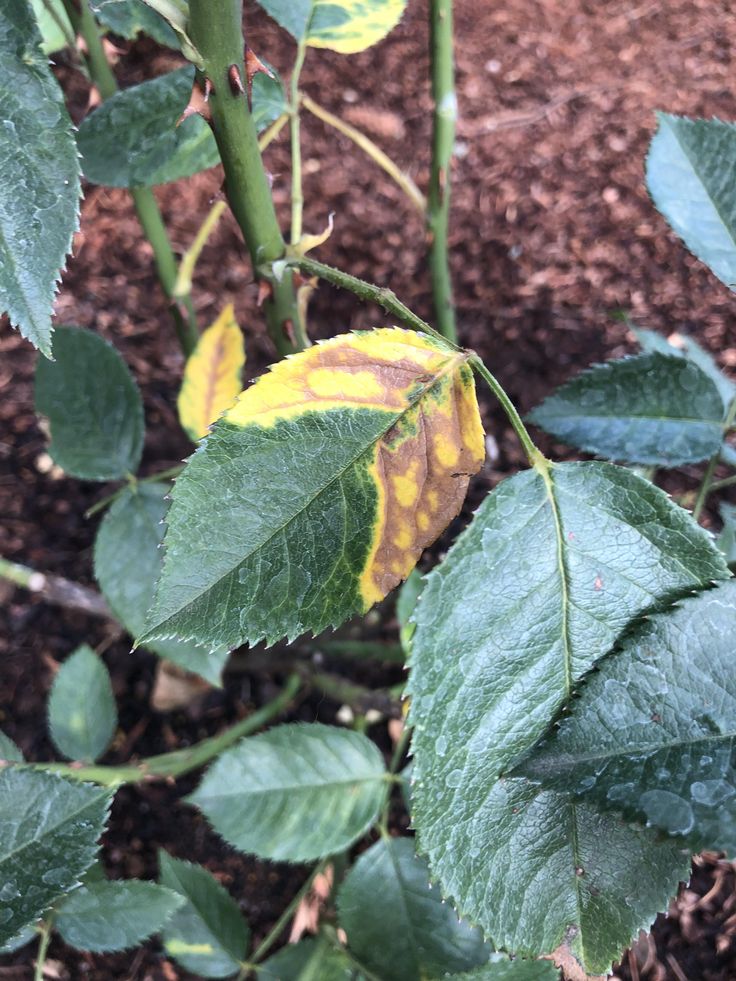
396, 924
50, 832
93, 407
314, 959
727, 537
687, 175
133, 140
129, 18
648, 409
207, 935
552, 569
501, 968
82, 712
39, 193
653, 733
8, 750
128, 561
106, 916
295, 793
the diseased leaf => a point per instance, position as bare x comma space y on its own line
50, 831
213, 375
646, 409
128, 561
313, 959
107, 916
500, 968
39, 193
295, 793
207, 935
129, 18
316, 493
552, 569
93, 406
53, 25
653, 732
341, 25
396, 924
8, 750
688, 171
82, 712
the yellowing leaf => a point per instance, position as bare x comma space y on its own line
213, 376
348, 26
318, 490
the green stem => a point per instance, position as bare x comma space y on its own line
216, 31
297, 193
443, 140
273, 934
131, 485
367, 145
180, 761
533, 454
707, 485
149, 215
720, 484
43, 948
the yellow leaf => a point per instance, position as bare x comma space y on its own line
213, 376
348, 26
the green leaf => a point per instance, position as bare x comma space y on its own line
26, 935
500, 968
653, 732
295, 793
318, 490
82, 713
688, 347
128, 561
342, 25
647, 409
552, 569
207, 935
8, 750
314, 959
107, 916
53, 25
50, 831
687, 168
727, 537
129, 18
396, 924
405, 605
133, 140
93, 406
39, 194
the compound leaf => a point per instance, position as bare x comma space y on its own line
396, 924
554, 566
107, 916
82, 712
50, 831
128, 561
649, 409
207, 935
39, 193
316, 493
213, 375
93, 406
129, 18
346, 26
314, 959
653, 732
688, 170
295, 793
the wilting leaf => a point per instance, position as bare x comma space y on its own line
129, 18
646, 409
82, 712
552, 569
207, 935
213, 375
50, 831
316, 493
653, 732
687, 168
39, 190
295, 793
128, 561
341, 25
396, 924
106, 916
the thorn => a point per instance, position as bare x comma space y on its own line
288, 329
236, 82
209, 89
265, 292
197, 105
253, 65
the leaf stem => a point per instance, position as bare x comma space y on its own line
721, 484
55, 589
297, 193
707, 485
273, 934
153, 478
149, 215
533, 454
217, 33
43, 947
180, 761
443, 141
367, 145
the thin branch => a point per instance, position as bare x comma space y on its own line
56, 589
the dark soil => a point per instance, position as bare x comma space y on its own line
552, 234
